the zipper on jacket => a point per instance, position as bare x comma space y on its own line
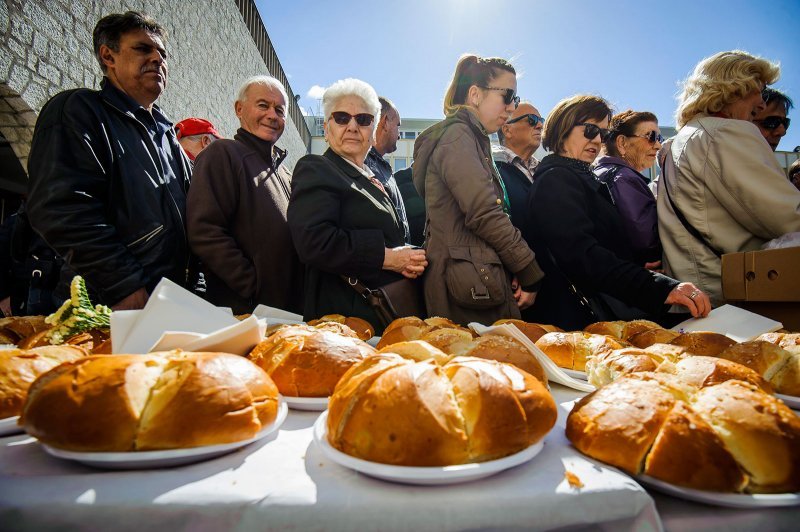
149, 236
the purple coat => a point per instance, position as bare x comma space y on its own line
636, 206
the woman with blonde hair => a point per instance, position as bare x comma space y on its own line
721, 189
480, 268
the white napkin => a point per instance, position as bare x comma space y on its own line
553, 372
239, 339
734, 322
169, 308
276, 315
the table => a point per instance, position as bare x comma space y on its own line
284, 482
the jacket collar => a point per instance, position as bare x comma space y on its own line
343, 165
120, 100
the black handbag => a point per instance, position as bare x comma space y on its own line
398, 299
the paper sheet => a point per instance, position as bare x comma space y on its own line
734, 322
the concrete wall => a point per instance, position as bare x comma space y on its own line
46, 47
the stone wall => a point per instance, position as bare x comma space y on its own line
46, 47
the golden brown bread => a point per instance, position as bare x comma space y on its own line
13, 329
335, 327
571, 350
147, 402
413, 328
777, 365
19, 368
703, 343
96, 341
451, 341
507, 350
609, 365
649, 337
788, 341
392, 410
533, 331
363, 329
701, 371
418, 350
729, 436
621, 330
308, 362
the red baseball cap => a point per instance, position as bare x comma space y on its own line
195, 126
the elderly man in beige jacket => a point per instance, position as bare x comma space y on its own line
722, 190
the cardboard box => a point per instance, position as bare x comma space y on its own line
766, 282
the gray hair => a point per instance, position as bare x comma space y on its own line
267, 81
352, 87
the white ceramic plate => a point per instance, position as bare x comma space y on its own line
792, 401
315, 404
420, 475
731, 500
166, 458
575, 374
9, 426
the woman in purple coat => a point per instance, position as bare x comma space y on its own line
630, 149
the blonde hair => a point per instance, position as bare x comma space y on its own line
472, 70
722, 79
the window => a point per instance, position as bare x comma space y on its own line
408, 135
400, 163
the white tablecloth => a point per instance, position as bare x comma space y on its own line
284, 482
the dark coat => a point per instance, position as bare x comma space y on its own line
571, 214
341, 224
636, 205
99, 197
472, 247
236, 215
517, 186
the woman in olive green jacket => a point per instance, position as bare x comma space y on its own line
480, 268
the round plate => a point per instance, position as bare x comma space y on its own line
316, 404
9, 426
420, 475
792, 401
166, 458
731, 500
575, 374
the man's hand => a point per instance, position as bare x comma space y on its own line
134, 301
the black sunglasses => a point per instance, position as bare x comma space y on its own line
508, 95
342, 118
772, 122
533, 120
590, 131
651, 137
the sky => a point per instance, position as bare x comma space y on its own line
633, 53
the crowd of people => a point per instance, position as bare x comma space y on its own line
123, 197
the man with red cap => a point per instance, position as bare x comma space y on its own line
195, 134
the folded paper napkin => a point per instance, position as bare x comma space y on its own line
734, 322
553, 372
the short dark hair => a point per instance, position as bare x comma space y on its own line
625, 123
110, 28
569, 112
774, 95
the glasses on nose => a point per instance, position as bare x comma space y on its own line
651, 137
590, 131
508, 95
342, 118
533, 120
772, 122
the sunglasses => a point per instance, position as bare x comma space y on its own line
342, 118
508, 95
590, 131
533, 120
772, 122
651, 137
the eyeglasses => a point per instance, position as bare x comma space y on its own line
533, 120
772, 122
342, 118
590, 131
651, 137
508, 97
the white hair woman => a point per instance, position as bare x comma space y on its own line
721, 190
342, 221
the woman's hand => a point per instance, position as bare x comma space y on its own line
524, 299
691, 297
406, 260
654, 266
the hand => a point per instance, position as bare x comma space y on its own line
516, 289
134, 301
5, 306
526, 299
405, 260
655, 266
691, 297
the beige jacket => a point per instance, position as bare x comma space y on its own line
729, 186
472, 247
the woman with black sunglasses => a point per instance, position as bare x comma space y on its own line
721, 189
480, 267
344, 224
631, 148
579, 236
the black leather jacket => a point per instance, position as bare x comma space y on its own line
99, 197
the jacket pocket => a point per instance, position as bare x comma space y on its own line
475, 277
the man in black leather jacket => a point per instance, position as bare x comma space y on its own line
108, 179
